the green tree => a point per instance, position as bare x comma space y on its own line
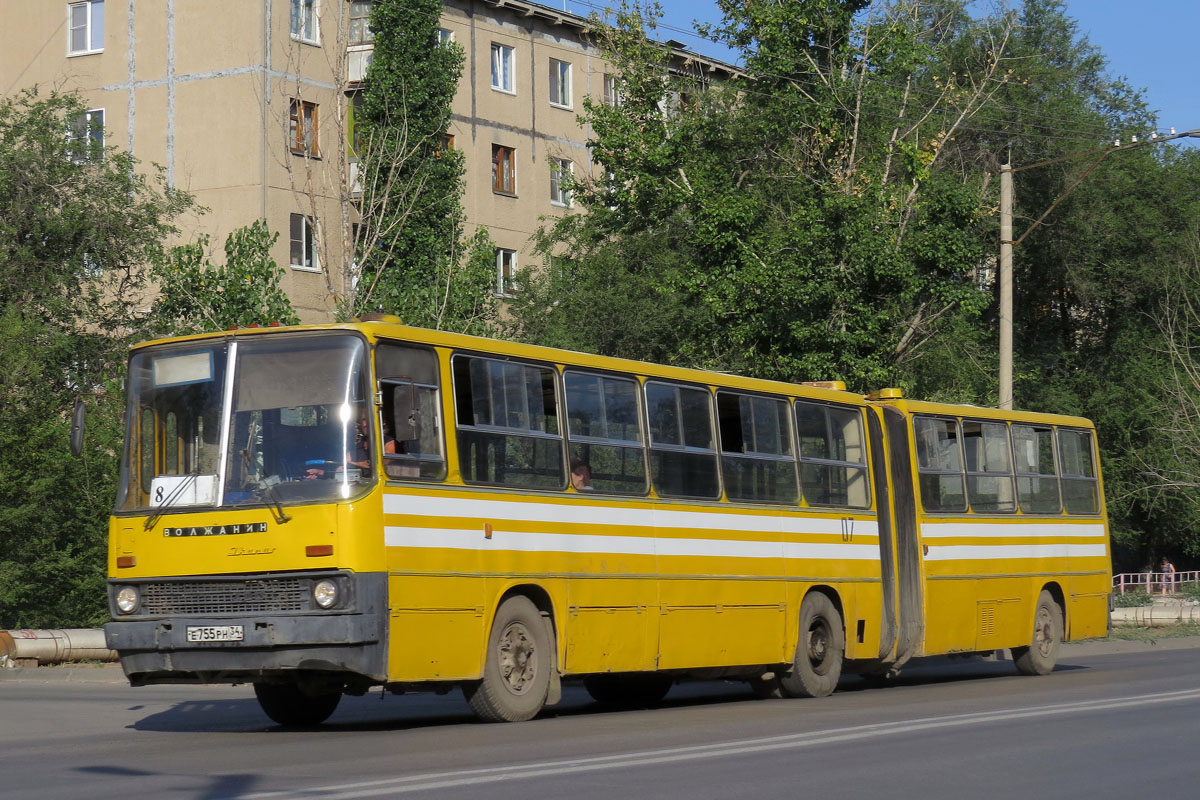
411, 258
78, 225
196, 296
782, 223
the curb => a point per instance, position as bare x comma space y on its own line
113, 674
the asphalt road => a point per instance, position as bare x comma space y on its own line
1105, 724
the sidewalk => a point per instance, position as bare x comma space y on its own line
1165, 611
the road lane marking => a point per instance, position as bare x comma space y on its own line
473, 777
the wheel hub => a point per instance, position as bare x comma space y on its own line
518, 662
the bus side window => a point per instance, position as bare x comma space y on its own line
506, 416
756, 448
833, 456
989, 467
1037, 483
939, 463
604, 432
411, 412
1077, 472
683, 459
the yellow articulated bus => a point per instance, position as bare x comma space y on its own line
321, 510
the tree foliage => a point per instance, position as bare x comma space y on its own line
78, 225
196, 295
411, 257
831, 213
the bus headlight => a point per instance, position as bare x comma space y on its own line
128, 599
325, 593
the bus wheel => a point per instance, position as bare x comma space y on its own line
628, 690
516, 674
817, 665
1040, 657
288, 705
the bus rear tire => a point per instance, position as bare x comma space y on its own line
516, 673
1041, 656
628, 690
817, 665
288, 705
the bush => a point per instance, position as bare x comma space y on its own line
1133, 599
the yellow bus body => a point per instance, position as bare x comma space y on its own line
632, 584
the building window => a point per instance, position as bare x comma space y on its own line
302, 128
304, 21
560, 178
445, 36
360, 18
612, 94
85, 27
446, 146
506, 268
304, 243
504, 173
560, 83
86, 141
502, 68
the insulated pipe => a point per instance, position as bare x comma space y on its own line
54, 646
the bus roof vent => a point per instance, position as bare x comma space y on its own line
838, 385
886, 394
391, 319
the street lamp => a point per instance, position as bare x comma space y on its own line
1007, 242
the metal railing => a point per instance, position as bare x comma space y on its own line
1154, 582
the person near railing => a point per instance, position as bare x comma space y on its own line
1168, 576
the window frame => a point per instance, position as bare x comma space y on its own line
365, 36
1065, 477
91, 30
559, 194
504, 430
503, 68
603, 441
1053, 475
864, 467
922, 470
304, 124
970, 474
398, 381
309, 236
684, 449
611, 91
788, 437
506, 284
83, 143
504, 170
560, 83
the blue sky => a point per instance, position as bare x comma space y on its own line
1149, 42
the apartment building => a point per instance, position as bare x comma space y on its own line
247, 104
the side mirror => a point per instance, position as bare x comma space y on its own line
78, 416
404, 411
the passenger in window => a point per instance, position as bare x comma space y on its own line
581, 475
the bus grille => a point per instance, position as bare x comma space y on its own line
225, 597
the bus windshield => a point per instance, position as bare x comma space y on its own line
257, 420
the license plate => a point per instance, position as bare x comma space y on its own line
215, 633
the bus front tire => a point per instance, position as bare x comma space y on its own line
817, 665
516, 673
1041, 656
288, 705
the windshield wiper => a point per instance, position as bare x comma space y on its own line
170, 499
266, 486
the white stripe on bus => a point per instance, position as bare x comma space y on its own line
1013, 529
984, 552
526, 542
765, 520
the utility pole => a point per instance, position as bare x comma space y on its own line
1006, 270
1007, 242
